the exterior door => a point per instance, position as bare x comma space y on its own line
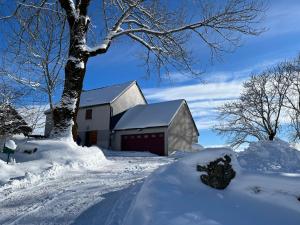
91, 138
152, 142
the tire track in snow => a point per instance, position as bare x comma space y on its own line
61, 199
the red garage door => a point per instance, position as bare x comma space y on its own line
152, 142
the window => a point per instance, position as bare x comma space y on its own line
88, 114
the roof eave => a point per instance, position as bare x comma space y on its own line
142, 128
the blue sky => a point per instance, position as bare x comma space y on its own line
222, 79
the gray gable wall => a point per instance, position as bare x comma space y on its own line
131, 97
182, 132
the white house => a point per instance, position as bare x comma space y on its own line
118, 117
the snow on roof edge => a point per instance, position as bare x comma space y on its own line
156, 124
130, 84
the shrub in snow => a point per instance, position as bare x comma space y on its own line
219, 173
272, 156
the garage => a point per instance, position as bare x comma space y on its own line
160, 128
152, 142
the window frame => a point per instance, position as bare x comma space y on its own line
88, 114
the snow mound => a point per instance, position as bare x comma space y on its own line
68, 153
270, 156
51, 158
174, 195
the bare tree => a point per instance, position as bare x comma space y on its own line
36, 50
292, 72
257, 113
163, 30
9, 93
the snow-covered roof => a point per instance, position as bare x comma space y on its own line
103, 95
100, 96
151, 115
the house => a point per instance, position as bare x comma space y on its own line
118, 117
97, 107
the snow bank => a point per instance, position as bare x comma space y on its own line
175, 195
51, 158
270, 156
68, 153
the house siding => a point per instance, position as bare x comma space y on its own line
99, 122
130, 98
182, 132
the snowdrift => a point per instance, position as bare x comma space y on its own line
270, 156
51, 158
175, 195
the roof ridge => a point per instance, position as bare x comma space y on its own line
174, 100
155, 103
133, 117
124, 90
128, 82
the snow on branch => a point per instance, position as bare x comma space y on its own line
23, 81
164, 32
69, 7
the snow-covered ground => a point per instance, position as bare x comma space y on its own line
174, 195
47, 187
62, 183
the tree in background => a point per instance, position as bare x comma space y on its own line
257, 113
18, 102
35, 53
11, 122
292, 73
162, 28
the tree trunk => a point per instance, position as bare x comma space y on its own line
64, 115
272, 136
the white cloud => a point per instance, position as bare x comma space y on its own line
203, 99
282, 17
196, 92
226, 76
203, 124
178, 77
